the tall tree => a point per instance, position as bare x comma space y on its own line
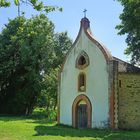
130, 25
26, 49
48, 96
62, 44
30, 58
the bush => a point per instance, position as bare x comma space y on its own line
52, 115
41, 113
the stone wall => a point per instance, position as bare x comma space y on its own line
129, 101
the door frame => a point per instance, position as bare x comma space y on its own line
74, 110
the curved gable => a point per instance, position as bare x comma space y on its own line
85, 26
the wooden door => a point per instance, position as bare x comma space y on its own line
82, 116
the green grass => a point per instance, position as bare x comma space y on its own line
21, 128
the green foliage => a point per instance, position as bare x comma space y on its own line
130, 25
48, 97
4, 3
39, 113
16, 2
30, 58
26, 48
62, 45
36, 4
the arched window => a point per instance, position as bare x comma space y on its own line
82, 60
82, 82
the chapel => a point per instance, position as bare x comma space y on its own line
97, 90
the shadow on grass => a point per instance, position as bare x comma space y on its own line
93, 133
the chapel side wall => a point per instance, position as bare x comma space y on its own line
129, 100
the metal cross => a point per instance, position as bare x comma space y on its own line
85, 10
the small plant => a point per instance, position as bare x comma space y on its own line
42, 113
39, 113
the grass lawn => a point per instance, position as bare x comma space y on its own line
21, 128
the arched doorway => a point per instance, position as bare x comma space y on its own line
81, 112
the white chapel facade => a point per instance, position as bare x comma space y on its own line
87, 95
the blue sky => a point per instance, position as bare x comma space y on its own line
103, 16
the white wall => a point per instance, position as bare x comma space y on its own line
96, 83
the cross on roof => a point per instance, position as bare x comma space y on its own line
85, 10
